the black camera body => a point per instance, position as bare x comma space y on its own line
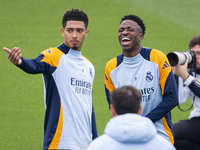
179, 58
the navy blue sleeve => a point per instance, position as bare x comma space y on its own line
94, 127
107, 96
195, 87
169, 100
33, 66
195, 84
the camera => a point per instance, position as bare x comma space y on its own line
179, 58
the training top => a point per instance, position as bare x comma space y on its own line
130, 132
68, 81
150, 72
190, 88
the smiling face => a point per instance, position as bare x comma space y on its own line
74, 34
130, 36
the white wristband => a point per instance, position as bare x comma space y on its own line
189, 80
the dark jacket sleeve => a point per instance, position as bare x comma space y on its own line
94, 127
33, 66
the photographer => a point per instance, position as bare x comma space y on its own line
187, 132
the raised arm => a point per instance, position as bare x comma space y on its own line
31, 66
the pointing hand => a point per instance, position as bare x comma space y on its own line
14, 55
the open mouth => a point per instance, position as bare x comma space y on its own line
125, 40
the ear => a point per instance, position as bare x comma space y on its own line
62, 31
87, 31
141, 37
112, 110
139, 110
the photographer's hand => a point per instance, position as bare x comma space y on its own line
181, 70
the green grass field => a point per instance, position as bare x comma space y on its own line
35, 25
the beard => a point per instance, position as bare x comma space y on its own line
74, 47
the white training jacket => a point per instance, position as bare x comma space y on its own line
129, 132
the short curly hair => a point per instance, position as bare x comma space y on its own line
137, 19
126, 99
75, 14
194, 41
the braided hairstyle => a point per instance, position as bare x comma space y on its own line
137, 19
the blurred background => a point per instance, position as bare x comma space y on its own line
34, 26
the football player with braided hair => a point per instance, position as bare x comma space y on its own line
148, 70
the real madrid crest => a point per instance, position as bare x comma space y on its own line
149, 76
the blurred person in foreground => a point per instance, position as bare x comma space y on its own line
187, 132
128, 130
146, 69
68, 81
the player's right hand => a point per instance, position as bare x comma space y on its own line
14, 55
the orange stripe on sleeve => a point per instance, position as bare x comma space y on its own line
107, 80
167, 130
56, 138
164, 66
52, 56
